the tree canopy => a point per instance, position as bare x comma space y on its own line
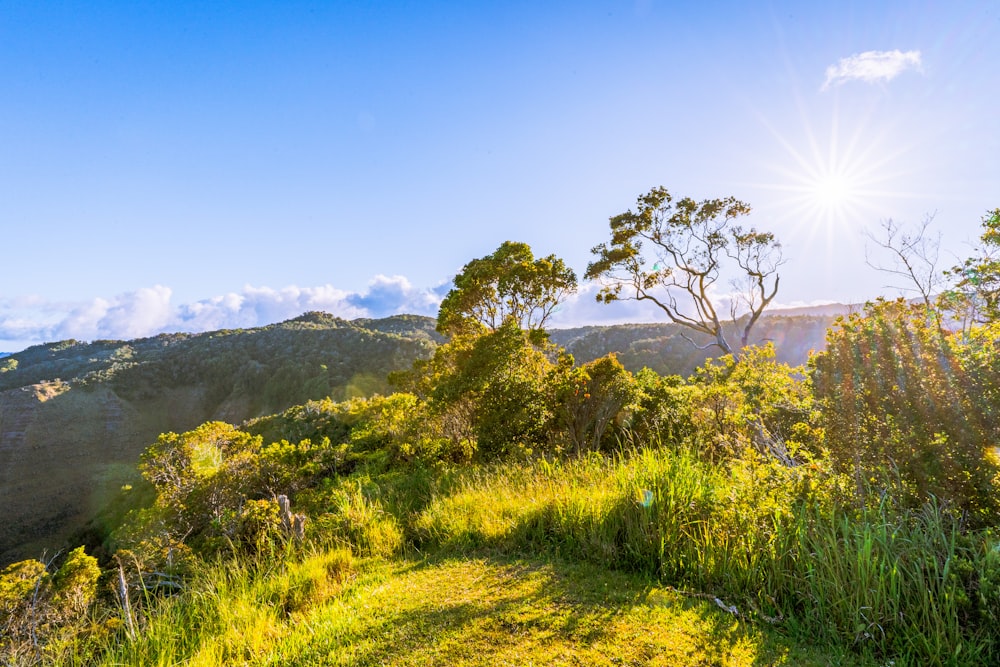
508, 284
673, 254
977, 289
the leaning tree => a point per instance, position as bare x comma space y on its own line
674, 253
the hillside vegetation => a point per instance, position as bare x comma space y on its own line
510, 504
345, 532
84, 412
75, 416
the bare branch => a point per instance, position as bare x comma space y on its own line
913, 256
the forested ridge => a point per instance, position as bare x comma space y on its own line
74, 416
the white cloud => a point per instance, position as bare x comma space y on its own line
149, 311
256, 306
871, 67
392, 295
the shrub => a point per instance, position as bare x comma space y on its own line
592, 399
754, 404
909, 410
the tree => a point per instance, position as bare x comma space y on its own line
590, 398
978, 288
673, 255
198, 475
496, 384
509, 284
913, 256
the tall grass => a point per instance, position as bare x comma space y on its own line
767, 539
232, 612
773, 543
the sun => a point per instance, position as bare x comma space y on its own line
833, 191
832, 184
836, 196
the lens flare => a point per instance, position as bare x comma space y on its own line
836, 182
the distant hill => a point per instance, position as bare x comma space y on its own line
75, 416
668, 349
823, 310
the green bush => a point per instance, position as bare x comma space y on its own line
910, 411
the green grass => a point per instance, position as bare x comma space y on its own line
526, 612
232, 612
455, 611
890, 584
573, 562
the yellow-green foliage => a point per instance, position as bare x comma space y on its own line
590, 400
351, 514
395, 425
20, 584
40, 612
717, 485
754, 404
260, 524
508, 286
494, 389
772, 540
75, 582
911, 410
232, 612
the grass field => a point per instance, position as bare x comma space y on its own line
458, 611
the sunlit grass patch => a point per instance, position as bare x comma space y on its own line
233, 612
889, 582
516, 612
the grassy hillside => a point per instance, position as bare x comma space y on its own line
740, 516
75, 416
476, 610
649, 557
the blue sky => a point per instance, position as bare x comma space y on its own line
189, 166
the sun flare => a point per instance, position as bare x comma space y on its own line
834, 184
832, 191
834, 196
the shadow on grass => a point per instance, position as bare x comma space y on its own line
501, 609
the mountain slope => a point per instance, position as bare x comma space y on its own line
74, 417
668, 349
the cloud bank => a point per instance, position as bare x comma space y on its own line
871, 67
150, 311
